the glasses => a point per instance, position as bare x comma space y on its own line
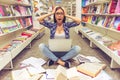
59, 13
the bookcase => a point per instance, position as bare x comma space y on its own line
101, 26
16, 29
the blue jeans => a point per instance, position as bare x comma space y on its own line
68, 55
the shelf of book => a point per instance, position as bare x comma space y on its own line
111, 28
101, 21
18, 49
13, 2
13, 17
91, 14
16, 29
95, 3
93, 35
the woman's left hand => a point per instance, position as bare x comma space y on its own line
65, 13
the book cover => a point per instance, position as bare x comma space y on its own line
20, 75
1, 32
105, 8
23, 10
84, 18
116, 23
94, 18
7, 10
1, 11
99, 7
100, 20
15, 10
117, 10
112, 6
85, 9
93, 70
22, 22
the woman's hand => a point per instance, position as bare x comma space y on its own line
65, 13
54, 9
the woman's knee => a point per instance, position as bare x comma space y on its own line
77, 48
42, 46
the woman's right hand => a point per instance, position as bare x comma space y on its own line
54, 9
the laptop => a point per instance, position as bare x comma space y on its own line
60, 45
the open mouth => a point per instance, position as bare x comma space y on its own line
59, 19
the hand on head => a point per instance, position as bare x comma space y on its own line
64, 11
53, 11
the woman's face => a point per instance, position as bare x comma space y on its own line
59, 15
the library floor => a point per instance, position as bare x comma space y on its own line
77, 40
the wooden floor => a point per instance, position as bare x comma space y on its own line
77, 40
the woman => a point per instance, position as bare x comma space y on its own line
59, 29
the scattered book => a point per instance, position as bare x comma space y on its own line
91, 69
66, 74
22, 74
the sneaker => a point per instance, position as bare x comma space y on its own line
67, 64
50, 62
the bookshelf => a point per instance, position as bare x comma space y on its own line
99, 27
17, 30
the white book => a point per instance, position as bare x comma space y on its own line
66, 74
21, 74
32, 61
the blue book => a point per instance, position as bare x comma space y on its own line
116, 22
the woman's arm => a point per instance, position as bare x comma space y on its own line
46, 15
77, 20
41, 18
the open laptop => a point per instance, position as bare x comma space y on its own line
60, 45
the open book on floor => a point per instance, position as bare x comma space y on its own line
23, 74
66, 74
91, 69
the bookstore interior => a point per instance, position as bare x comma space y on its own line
97, 35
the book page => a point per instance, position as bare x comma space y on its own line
72, 74
20, 75
61, 73
102, 75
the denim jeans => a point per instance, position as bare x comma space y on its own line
65, 56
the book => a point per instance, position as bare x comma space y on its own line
99, 7
21, 74
100, 20
7, 10
116, 22
93, 70
115, 45
82, 59
94, 18
105, 8
112, 6
102, 75
1, 11
85, 9
23, 10
1, 32
15, 10
117, 9
66, 74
